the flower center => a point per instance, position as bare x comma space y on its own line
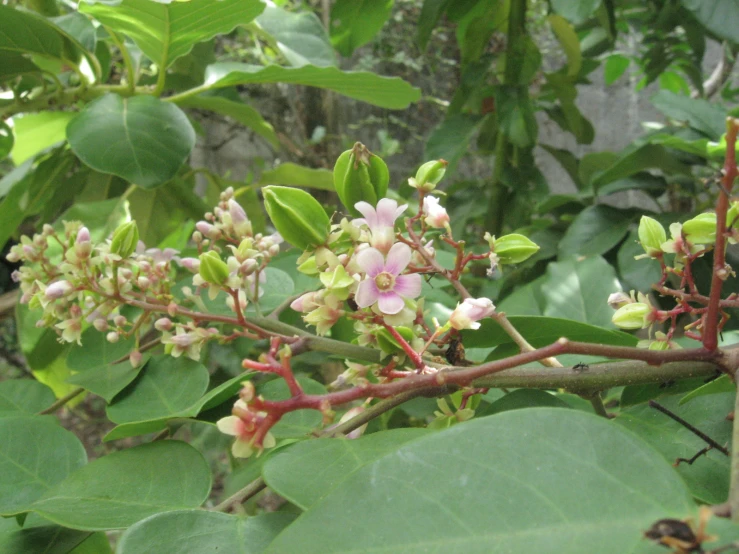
385, 281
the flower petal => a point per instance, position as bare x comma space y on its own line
366, 209
386, 212
398, 258
408, 286
241, 449
390, 303
229, 425
367, 293
371, 261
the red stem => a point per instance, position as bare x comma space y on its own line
412, 354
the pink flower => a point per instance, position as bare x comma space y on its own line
436, 215
384, 284
381, 221
467, 314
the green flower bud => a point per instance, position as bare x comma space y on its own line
212, 269
429, 175
632, 316
297, 216
701, 229
513, 249
651, 236
125, 239
359, 175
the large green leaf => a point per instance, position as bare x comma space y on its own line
142, 139
520, 399
27, 33
717, 386
578, 289
541, 331
355, 22
38, 344
708, 476
637, 274
14, 65
595, 231
309, 470
450, 140
36, 132
35, 454
386, 92
243, 113
636, 159
198, 531
165, 387
721, 18
124, 487
300, 36
487, 486
166, 31
294, 175
49, 539
701, 115
24, 396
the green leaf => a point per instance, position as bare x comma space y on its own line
567, 38
579, 290
575, 11
308, 471
717, 386
516, 115
166, 387
637, 274
386, 92
434, 494
36, 132
430, 14
615, 66
702, 115
720, 18
450, 140
243, 113
301, 422
526, 300
119, 489
35, 454
300, 36
38, 344
49, 539
522, 398
164, 32
636, 159
595, 231
142, 139
24, 32
707, 477
294, 175
278, 287
653, 185
24, 396
78, 27
355, 22
94, 363
200, 531
541, 331
14, 65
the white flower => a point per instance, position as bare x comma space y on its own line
436, 215
468, 314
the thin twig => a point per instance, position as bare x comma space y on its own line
657, 406
62, 401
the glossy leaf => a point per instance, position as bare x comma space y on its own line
595, 231
94, 362
36, 132
201, 531
579, 290
717, 386
166, 387
637, 274
308, 471
708, 476
300, 36
24, 396
142, 139
355, 22
27, 33
434, 493
166, 31
238, 111
636, 159
386, 92
701, 115
294, 175
35, 454
614, 68
122, 488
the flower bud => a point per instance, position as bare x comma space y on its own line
429, 175
297, 216
191, 264
436, 215
83, 235
701, 229
359, 175
57, 290
618, 299
468, 314
100, 324
143, 282
651, 236
163, 324
305, 303
212, 269
120, 320
632, 316
513, 249
135, 358
112, 336
125, 239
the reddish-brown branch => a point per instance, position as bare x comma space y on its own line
407, 348
710, 325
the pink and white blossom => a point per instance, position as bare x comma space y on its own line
436, 215
384, 284
381, 221
244, 429
468, 314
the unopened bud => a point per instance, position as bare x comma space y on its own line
618, 299
112, 336
163, 324
429, 175
83, 235
100, 324
212, 269
651, 236
208, 230
360, 176
143, 282
514, 249
701, 229
191, 264
120, 320
298, 217
135, 358
125, 239
57, 290
632, 316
